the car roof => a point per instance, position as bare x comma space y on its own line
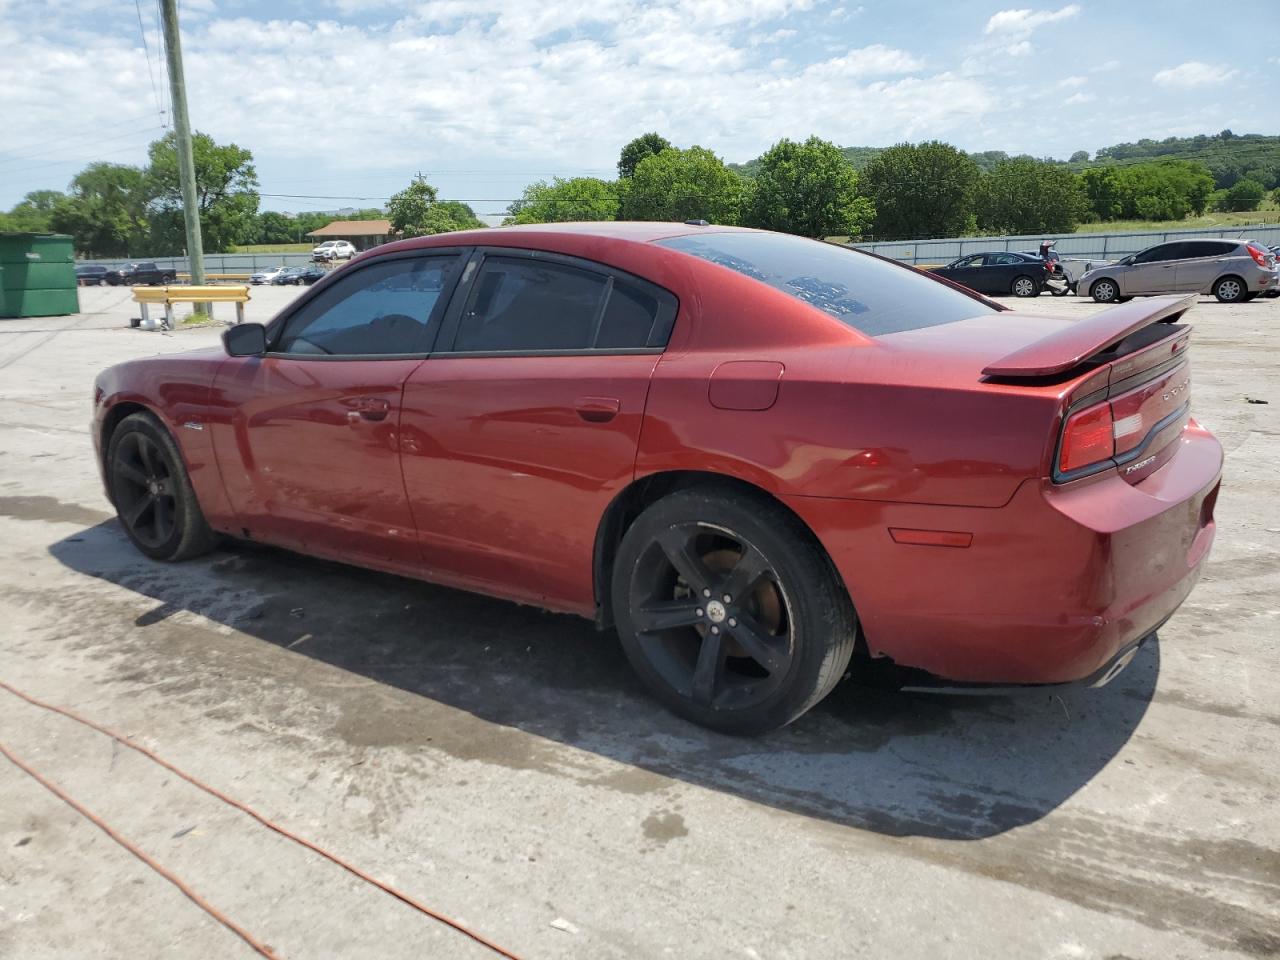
636, 231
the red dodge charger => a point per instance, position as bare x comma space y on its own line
765, 460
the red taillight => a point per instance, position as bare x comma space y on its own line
1259, 255
1087, 438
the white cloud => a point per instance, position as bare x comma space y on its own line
1105, 67
1081, 98
1023, 22
479, 84
1072, 82
1022, 48
1193, 73
874, 60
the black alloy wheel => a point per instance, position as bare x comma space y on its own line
729, 612
152, 492
144, 488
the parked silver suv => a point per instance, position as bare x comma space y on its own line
1234, 271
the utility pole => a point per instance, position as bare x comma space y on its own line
182, 136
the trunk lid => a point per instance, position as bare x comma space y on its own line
1128, 364
1136, 386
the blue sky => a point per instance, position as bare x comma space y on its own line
342, 100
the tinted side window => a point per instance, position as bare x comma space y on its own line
530, 305
1166, 251
1003, 259
628, 318
1207, 248
384, 308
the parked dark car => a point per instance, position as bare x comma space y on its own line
295, 276
1021, 274
145, 272
91, 275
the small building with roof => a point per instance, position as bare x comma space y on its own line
361, 234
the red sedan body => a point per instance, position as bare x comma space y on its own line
1006, 499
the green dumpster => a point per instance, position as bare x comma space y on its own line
37, 275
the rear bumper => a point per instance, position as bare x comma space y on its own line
1053, 586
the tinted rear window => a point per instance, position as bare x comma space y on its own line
864, 292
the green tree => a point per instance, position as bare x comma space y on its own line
1023, 195
275, 227
418, 211
1165, 190
31, 214
578, 198
105, 211
1243, 195
226, 194
675, 184
807, 188
1103, 194
645, 145
921, 190
1080, 156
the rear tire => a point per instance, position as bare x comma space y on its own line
1105, 290
1230, 290
1024, 286
152, 492
728, 610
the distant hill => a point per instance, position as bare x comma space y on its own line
1228, 156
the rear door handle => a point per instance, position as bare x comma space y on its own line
367, 408
597, 409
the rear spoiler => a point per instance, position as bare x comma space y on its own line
1068, 348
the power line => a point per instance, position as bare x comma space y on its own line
96, 140
62, 163
80, 133
146, 52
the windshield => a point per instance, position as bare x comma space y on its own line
871, 295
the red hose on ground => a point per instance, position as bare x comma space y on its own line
194, 897
243, 808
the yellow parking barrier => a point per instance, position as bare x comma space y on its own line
168, 296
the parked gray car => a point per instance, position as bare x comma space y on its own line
1234, 271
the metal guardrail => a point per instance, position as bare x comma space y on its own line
168, 296
1075, 246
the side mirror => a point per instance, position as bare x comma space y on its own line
245, 340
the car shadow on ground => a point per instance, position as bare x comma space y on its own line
953, 767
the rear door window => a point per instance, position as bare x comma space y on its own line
527, 305
870, 294
1207, 248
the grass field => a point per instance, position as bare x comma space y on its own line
1268, 214
273, 248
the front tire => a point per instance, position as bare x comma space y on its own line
728, 610
1024, 286
1105, 290
152, 492
1230, 290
